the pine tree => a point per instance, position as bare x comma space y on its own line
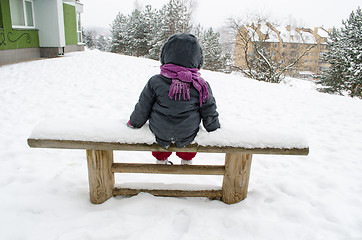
213, 59
155, 36
137, 31
102, 43
345, 58
174, 17
198, 31
144, 33
119, 33
130, 34
89, 39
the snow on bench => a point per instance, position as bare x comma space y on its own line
99, 137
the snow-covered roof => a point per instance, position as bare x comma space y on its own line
323, 32
306, 73
287, 34
294, 36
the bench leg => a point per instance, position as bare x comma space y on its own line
101, 178
236, 178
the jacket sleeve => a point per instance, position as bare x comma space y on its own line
209, 115
143, 108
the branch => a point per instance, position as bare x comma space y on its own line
262, 56
248, 61
295, 62
248, 74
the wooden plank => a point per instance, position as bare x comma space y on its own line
101, 178
168, 169
169, 193
70, 144
236, 178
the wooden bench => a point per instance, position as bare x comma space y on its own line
101, 167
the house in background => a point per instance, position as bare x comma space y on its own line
30, 29
285, 45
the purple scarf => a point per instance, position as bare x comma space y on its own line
181, 79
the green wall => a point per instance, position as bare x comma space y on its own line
70, 24
15, 38
1, 17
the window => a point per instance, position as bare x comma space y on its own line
22, 13
29, 13
267, 44
79, 28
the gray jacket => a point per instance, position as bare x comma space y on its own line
169, 119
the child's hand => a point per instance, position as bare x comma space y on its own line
129, 124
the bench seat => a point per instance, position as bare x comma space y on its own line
100, 138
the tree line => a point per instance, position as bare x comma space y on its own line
143, 33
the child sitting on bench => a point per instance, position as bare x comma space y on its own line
176, 100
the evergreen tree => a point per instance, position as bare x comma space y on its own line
345, 58
89, 37
96, 41
137, 31
102, 43
119, 33
198, 31
174, 17
155, 36
213, 59
143, 33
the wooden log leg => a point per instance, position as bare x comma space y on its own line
236, 178
101, 177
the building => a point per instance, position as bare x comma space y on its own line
30, 29
285, 45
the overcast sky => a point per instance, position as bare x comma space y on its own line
213, 13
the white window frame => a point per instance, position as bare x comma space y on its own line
25, 17
79, 31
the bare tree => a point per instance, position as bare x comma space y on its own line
260, 52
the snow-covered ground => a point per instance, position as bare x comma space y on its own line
44, 192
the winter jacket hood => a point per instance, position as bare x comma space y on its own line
182, 49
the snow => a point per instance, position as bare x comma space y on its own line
291, 35
96, 130
246, 135
44, 192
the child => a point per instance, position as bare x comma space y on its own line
176, 100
